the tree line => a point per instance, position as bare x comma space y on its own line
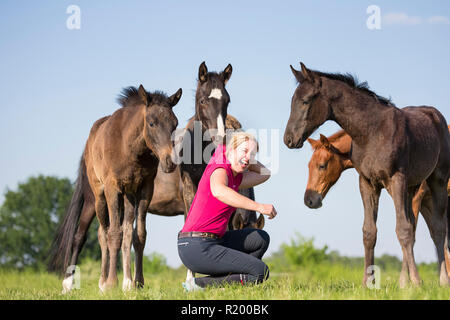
29, 218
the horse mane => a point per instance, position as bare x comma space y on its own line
336, 136
129, 97
353, 82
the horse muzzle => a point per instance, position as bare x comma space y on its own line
291, 143
168, 165
313, 199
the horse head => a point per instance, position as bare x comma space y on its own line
211, 101
325, 168
309, 108
159, 124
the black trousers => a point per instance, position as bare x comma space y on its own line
236, 257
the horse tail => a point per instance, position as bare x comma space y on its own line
447, 247
61, 249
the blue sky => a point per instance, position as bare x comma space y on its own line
56, 82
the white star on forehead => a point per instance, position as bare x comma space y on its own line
216, 93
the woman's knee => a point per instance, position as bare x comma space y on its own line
264, 238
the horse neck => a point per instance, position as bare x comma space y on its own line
352, 110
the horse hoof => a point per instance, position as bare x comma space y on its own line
102, 285
139, 284
67, 284
127, 285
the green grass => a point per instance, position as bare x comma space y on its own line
316, 281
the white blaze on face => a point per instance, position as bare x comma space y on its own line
216, 93
220, 126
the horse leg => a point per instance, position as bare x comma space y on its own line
370, 197
188, 196
102, 216
427, 213
405, 227
140, 233
114, 201
417, 200
102, 240
86, 217
128, 221
438, 187
447, 244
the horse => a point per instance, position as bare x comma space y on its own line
392, 148
331, 156
204, 131
120, 162
167, 200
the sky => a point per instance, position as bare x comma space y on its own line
56, 81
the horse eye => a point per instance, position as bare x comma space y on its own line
203, 101
151, 124
322, 166
305, 102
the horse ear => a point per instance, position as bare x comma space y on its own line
297, 74
314, 143
173, 100
143, 94
226, 73
324, 141
260, 222
307, 74
238, 222
202, 72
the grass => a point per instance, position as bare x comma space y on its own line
317, 281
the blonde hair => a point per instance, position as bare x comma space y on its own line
239, 137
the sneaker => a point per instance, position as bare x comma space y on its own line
190, 285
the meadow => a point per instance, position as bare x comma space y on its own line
299, 271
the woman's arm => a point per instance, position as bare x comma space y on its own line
221, 191
257, 173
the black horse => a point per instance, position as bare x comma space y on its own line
392, 148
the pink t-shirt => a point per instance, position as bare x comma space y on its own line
207, 213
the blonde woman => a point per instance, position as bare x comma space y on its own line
204, 244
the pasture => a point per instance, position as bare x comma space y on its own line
318, 277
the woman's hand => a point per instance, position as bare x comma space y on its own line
267, 209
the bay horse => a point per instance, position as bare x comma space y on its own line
331, 156
121, 159
167, 200
392, 148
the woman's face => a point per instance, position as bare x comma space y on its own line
243, 156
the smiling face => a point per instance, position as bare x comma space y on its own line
242, 156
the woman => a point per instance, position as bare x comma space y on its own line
204, 245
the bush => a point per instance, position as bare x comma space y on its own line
155, 263
301, 252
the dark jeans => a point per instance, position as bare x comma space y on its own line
236, 257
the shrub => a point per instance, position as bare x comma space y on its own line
301, 252
155, 263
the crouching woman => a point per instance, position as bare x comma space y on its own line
204, 244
